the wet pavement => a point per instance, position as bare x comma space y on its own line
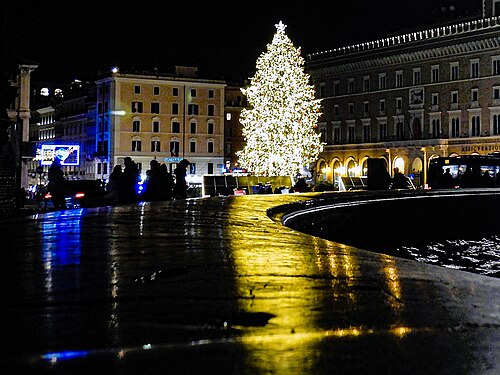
214, 285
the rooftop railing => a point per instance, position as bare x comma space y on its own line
435, 33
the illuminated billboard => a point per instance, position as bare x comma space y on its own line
67, 154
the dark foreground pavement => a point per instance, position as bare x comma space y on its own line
214, 286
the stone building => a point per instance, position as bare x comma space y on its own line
162, 117
233, 137
410, 97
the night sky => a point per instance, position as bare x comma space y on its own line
75, 39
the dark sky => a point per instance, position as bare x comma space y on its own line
74, 39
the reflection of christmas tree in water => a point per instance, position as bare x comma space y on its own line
279, 128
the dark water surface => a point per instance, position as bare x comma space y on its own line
478, 256
452, 229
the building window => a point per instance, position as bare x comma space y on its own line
474, 68
174, 148
351, 108
496, 65
210, 128
175, 108
156, 126
336, 135
381, 106
336, 88
175, 91
193, 93
399, 78
496, 124
416, 76
436, 128
366, 107
136, 126
155, 146
210, 147
322, 90
366, 133
474, 95
454, 97
211, 94
176, 127
399, 130
475, 126
434, 99
155, 107
435, 73
136, 107
156, 90
210, 168
454, 72
366, 83
350, 86
322, 135
137, 89
136, 145
192, 109
211, 110
496, 92
336, 110
399, 104
192, 127
228, 116
192, 146
455, 127
382, 131
381, 81
350, 134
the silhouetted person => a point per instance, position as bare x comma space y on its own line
152, 184
166, 183
301, 186
131, 177
487, 180
115, 185
180, 189
57, 184
399, 180
446, 180
466, 179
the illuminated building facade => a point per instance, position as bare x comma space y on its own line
410, 97
162, 117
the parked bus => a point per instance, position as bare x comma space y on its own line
470, 171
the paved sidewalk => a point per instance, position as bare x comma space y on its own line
214, 286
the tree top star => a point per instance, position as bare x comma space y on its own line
280, 27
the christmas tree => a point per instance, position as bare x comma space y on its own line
280, 125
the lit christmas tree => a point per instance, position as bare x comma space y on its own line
279, 127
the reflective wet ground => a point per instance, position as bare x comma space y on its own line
216, 286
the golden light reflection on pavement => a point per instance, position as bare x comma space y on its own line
309, 284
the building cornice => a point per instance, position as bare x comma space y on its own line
409, 57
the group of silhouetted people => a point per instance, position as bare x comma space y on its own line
159, 184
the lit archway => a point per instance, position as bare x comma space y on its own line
364, 166
399, 163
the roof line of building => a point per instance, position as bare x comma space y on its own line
417, 36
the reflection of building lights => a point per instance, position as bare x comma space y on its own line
400, 331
